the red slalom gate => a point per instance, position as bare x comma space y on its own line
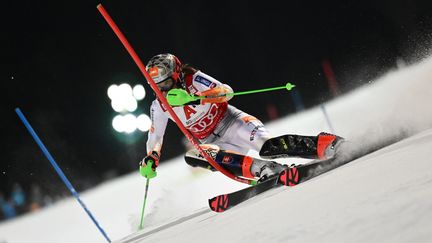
153, 85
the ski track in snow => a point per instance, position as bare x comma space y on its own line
385, 196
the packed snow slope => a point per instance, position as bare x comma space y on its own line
385, 196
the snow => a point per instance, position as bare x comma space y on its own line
385, 196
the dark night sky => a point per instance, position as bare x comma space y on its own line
60, 57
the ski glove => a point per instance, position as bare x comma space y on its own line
153, 156
145, 170
217, 94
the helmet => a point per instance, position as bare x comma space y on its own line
164, 66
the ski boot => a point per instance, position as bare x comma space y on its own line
266, 169
322, 146
238, 164
327, 145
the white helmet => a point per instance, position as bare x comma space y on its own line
164, 66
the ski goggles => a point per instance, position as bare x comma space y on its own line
166, 85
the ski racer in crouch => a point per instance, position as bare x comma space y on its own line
221, 128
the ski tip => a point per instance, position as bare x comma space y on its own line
219, 204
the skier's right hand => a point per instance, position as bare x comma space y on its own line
217, 94
154, 157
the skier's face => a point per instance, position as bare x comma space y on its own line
166, 85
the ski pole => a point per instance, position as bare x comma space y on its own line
148, 172
288, 86
178, 97
144, 203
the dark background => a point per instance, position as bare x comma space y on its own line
60, 57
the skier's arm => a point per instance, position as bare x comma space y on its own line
157, 131
209, 86
219, 94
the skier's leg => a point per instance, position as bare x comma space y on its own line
238, 164
244, 133
321, 146
248, 133
237, 133
195, 159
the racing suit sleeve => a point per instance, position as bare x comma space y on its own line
212, 88
157, 130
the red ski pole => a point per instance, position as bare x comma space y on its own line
153, 85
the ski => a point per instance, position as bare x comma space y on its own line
290, 177
301, 173
224, 202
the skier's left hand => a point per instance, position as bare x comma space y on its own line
218, 93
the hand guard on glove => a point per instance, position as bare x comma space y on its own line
153, 159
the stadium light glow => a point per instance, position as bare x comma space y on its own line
130, 104
112, 91
117, 123
125, 123
124, 100
117, 105
130, 123
125, 90
143, 122
138, 92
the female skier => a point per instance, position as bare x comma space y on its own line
225, 132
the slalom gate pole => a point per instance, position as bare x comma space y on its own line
324, 110
144, 204
153, 85
59, 171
